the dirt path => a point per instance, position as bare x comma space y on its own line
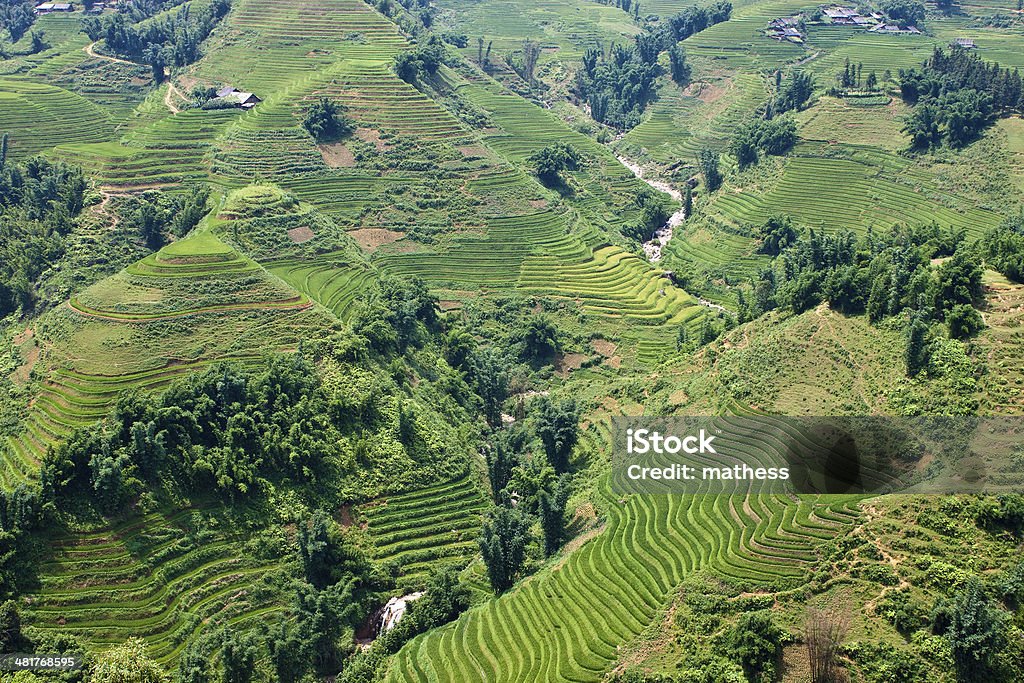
172, 91
90, 50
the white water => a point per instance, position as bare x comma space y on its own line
662, 235
395, 609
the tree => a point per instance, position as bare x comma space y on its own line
540, 338
552, 160
39, 43
707, 159
964, 321
431, 55
558, 429
11, 637
678, 67
156, 57
976, 634
688, 201
958, 282
552, 515
4, 142
490, 379
286, 655
922, 125
127, 663
916, 353
325, 120
503, 546
903, 12
776, 234
744, 145
238, 658
149, 225
755, 643
777, 136
795, 93
531, 53
872, 82
407, 66
501, 460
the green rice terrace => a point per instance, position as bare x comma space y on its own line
320, 320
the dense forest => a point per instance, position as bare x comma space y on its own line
957, 94
39, 200
173, 40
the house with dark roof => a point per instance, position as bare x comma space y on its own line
244, 100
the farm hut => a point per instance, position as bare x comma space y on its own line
966, 43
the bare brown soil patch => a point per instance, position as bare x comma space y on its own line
372, 136
300, 235
473, 151
29, 355
568, 362
604, 347
704, 91
371, 239
337, 155
538, 203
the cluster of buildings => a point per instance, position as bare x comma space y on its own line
48, 7
791, 28
874, 22
94, 8
786, 28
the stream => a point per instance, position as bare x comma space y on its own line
662, 235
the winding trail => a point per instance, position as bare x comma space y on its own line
91, 51
172, 91
662, 235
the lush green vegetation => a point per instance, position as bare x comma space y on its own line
265, 370
39, 200
618, 86
960, 91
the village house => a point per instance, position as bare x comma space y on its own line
882, 27
244, 100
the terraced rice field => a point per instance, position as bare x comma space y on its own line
436, 525
852, 194
740, 42
193, 303
681, 125
156, 577
844, 121
569, 622
39, 116
334, 283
